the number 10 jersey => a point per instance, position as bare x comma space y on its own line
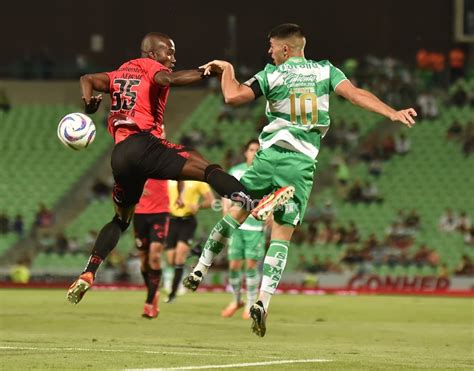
297, 94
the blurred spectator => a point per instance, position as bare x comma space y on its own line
312, 232
399, 235
375, 167
46, 242
448, 222
454, 131
352, 235
402, 144
101, 190
302, 263
370, 193
20, 272
18, 226
90, 239
469, 237
456, 63
312, 213
428, 105
315, 266
74, 246
331, 267
326, 233
215, 140
420, 258
354, 194
328, 212
4, 223
388, 146
44, 217
412, 220
61, 244
464, 222
342, 172
352, 256
433, 258
468, 139
465, 267
339, 236
5, 104
352, 136
299, 236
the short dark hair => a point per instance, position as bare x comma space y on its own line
286, 30
249, 143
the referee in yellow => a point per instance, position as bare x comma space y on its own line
186, 199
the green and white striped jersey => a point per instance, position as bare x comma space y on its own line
297, 94
250, 224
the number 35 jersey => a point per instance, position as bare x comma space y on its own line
138, 102
297, 94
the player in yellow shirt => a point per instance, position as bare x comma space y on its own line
186, 199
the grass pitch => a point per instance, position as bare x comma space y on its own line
40, 330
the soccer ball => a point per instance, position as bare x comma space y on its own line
76, 131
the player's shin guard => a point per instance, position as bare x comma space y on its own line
154, 277
235, 281
105, 243
217, 241
251, 279
273, 267
226, 185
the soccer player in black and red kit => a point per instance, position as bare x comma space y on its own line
139, 91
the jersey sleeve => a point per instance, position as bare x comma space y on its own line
262, 79
336, 76
152, 68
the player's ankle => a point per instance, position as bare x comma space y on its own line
200, 267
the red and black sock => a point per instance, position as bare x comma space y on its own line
154, 278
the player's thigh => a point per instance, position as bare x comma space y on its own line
158, 227
187, 229
194, 168
173, 233
236, 246
258, 179
297, 170
141, 229
254, 244
182, 251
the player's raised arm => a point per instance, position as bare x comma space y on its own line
89, 83
234, 92
179, 78
370, 102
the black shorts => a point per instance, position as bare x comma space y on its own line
150, 228
181, 229
140, 157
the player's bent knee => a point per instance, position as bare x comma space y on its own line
210, 169
122, 225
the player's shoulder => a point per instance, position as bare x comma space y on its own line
323, 63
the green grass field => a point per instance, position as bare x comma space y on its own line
40, 330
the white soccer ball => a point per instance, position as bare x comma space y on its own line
76, 131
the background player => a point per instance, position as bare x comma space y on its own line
185, 202
150, 224
139, 91
246, 244
297, 92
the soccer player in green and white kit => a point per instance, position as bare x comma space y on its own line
297, 93
246, 244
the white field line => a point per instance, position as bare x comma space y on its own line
112, 351
281, 362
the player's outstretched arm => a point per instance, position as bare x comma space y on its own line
234, 92
370, 102
179, 78
89, 83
